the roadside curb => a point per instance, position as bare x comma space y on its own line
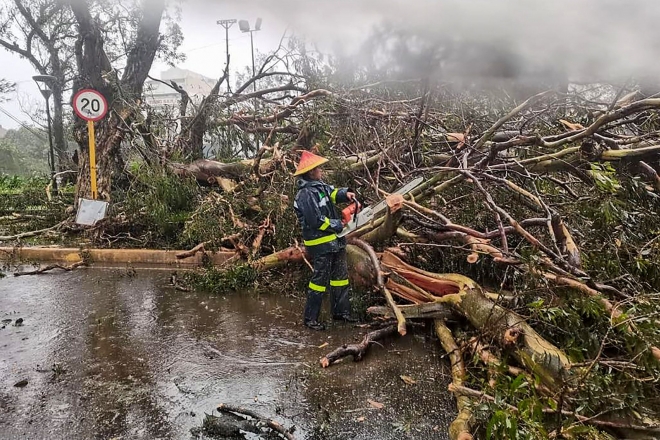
112, 257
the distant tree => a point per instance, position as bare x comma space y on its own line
24, 152
106, 45
40, 32
5, 87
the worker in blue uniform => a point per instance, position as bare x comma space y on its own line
321, 221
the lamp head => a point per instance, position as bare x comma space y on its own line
45, 79
257, 25
244, 25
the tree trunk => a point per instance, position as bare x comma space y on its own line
123, 94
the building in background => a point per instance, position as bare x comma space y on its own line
3, 132
163, 98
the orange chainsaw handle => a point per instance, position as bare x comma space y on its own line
350, 211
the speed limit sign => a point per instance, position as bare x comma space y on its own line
90, 105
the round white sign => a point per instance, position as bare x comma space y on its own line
90, 105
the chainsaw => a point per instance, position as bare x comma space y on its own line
353, 218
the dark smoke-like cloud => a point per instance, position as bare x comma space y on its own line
587, 39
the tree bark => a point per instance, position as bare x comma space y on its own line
511, 331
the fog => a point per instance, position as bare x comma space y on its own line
587, 39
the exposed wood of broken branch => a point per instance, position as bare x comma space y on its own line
460, 428
389, 226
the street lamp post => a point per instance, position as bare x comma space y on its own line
43, 82
245, 27
227, 24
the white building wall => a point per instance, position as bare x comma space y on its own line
163, 98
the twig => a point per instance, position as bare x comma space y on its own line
357, 350
31, 233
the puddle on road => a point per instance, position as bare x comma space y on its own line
107, 355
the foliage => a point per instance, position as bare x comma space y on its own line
5, 87
217, 280
24, 152
157, 204
25, 205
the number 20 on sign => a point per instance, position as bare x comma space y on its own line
91, 106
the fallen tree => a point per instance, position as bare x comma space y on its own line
533, 239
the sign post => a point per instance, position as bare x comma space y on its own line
92, 158
91, 106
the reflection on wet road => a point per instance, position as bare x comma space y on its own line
108, 355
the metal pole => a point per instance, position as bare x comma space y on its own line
254, 83
50, 143
92, 159
227, 44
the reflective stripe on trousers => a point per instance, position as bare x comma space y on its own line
330, 271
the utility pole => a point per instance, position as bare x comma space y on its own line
227, 24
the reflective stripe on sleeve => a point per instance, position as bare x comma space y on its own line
325, 225
333, 196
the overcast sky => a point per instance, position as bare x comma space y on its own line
204, 46
596, 38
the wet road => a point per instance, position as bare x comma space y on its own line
120, 355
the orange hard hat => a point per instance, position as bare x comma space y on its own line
308, 161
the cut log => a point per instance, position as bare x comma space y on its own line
416, 311
292, 254
389, 226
